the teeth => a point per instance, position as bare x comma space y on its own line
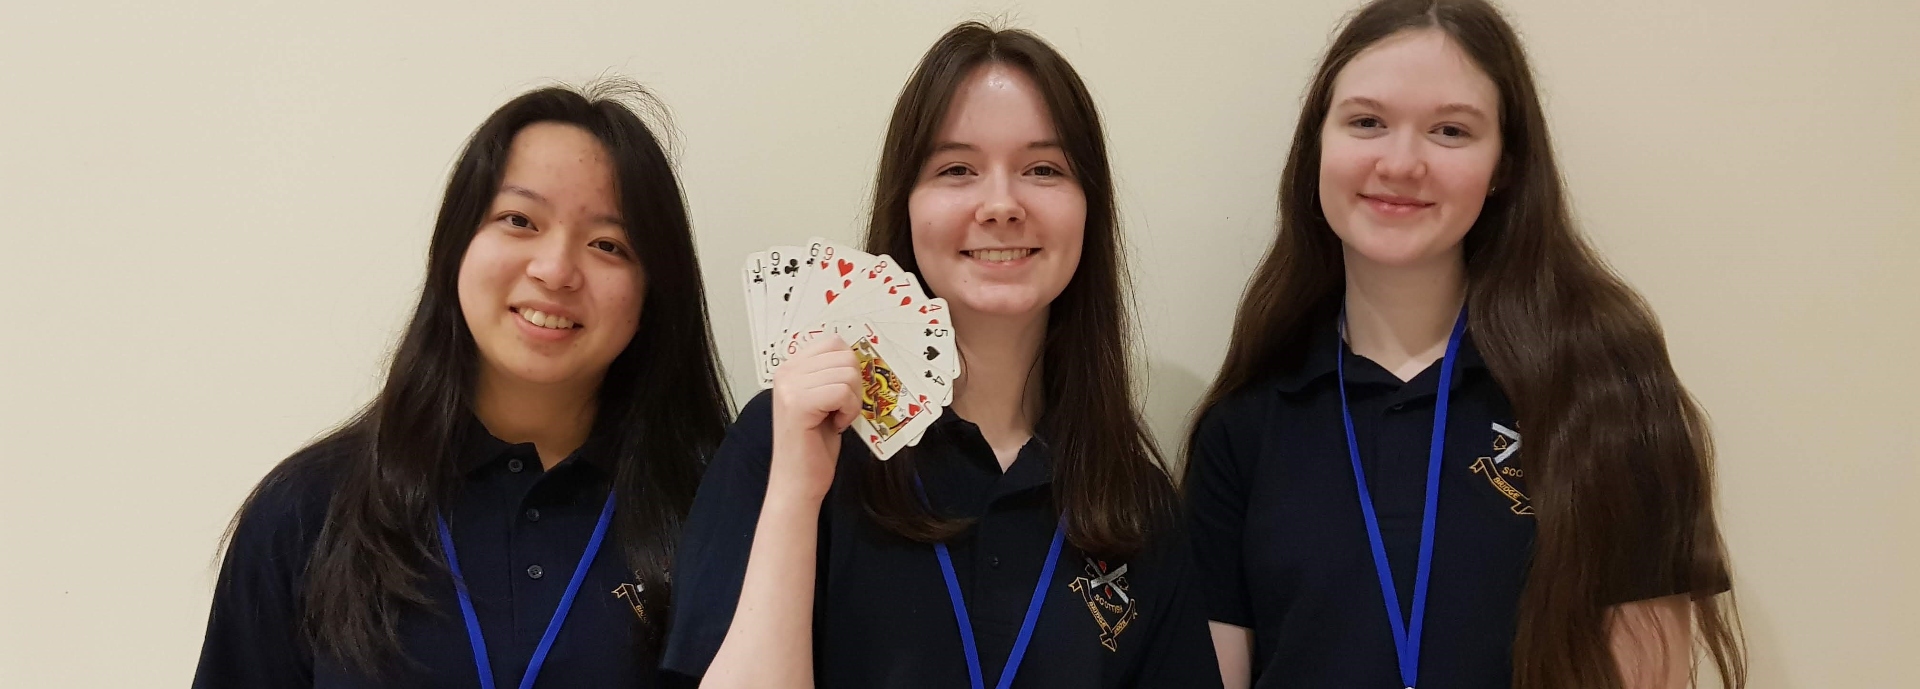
544, 319
1000, 255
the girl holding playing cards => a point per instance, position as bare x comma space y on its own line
506, 507
1028, 538
1448, 447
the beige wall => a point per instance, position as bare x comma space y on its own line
213, 216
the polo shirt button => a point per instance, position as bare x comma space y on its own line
515, 465
533, 514
1398, 406
993, 561
535, 572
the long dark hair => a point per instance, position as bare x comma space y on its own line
1620, 458
661, 406
1108, 478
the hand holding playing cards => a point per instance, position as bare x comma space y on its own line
902, 347
816, 395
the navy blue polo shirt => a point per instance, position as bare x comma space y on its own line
881, 611
518, 530
1280, 540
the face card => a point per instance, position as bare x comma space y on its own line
890, 417
928, 384
753, 276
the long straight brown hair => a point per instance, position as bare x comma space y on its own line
1108, 478
1620, 462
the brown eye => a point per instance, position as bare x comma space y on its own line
609, 246
518, 220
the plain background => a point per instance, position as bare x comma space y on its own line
215, 214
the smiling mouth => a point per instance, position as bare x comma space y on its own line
1000, 255
1398, 203
544, 320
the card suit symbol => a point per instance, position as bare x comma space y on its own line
845, 266
906, 300
935, 321
932, 353
831, 296
846, 283
913, 409
873, 438
874, 339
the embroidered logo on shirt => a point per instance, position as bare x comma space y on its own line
631, 594
1506, 442
1105, 593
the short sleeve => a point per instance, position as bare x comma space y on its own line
1180, 654
254, 636
711, 562
1216, 502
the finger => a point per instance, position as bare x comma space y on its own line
826, 342
807, 361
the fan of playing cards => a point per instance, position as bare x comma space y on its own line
902, 340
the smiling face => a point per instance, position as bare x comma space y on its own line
1408, 150
997, 215
550, 286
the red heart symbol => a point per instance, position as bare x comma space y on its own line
845, 267
935, 321
831, 296
846, 283
874, 438
913, 409
873, 339
906, 300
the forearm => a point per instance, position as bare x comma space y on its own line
1652, 642
770, 642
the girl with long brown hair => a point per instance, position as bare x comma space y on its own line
1448, 447
1045, 533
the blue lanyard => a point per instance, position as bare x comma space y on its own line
975, 675
1406, 635
559, 614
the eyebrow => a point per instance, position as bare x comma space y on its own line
523, 191
535, 196
1448, 109
945, 146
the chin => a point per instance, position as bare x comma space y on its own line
1393, 253
538, 370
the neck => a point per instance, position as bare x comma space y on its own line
555, 418
1000, 390
1401, 316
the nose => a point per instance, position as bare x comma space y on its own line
1001, 206
1403, 158
554, 263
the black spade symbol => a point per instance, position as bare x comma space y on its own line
932, 353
